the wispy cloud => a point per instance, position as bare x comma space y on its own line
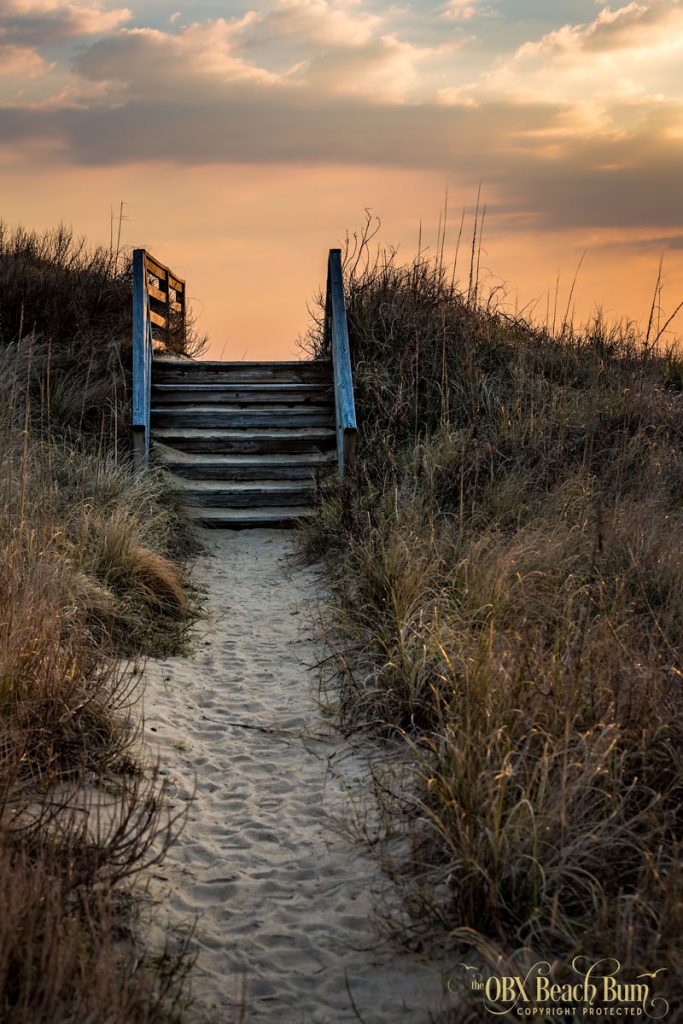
634, 26
465, 10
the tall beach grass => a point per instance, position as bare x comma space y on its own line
92, 578
507, 571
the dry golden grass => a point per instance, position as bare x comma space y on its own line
65, 332
77, 588
508, 571
91, 573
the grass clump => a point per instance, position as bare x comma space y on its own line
66, 330
92, 576
507, 572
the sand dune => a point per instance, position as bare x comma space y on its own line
283, 901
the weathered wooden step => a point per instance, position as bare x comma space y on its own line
285, 441
203, 466
243, 394
246, 494
246, 443
249, 518
189, 371
236, 416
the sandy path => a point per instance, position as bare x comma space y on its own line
284, 903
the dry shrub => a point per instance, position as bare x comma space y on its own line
68, 934
149, 588
111, 541
507, 567
67, 941
59, 697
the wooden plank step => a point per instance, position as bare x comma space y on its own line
245, 494
284, 441
249, 518
235, 416
243, 394
185, 371
202, 466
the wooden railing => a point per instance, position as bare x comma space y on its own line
158, 316
337, 339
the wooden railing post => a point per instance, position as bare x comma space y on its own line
327, 325
336, 330
142, 359
148, 300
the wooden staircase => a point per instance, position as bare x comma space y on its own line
247, 444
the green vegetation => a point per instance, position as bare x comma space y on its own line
507, 570
91, 569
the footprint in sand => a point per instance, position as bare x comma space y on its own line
284, 904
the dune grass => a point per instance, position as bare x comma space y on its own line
507, 571
92, 577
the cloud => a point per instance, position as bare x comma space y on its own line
384, 70
319, 22
465, 10
199, 59
605, 69
637, 25
246, 123
44, 21
599, 181
20, 62
629, 182
337, 47
641, 243
334, 59
562, 131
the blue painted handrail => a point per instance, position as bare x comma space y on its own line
158, 302
337, 339
142, 359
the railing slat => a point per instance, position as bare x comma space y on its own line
156, 293
157, 319
161, 297
164, 274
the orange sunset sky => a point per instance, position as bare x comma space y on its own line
246, 138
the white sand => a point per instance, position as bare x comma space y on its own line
284, 902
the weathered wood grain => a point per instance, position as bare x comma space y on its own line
213, 417
243, 394
221, 442
313, 466
160, 296
187, 371
247, 494
249, 518
163, 273
158, 319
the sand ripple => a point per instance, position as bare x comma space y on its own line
283, 903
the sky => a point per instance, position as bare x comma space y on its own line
245, 140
